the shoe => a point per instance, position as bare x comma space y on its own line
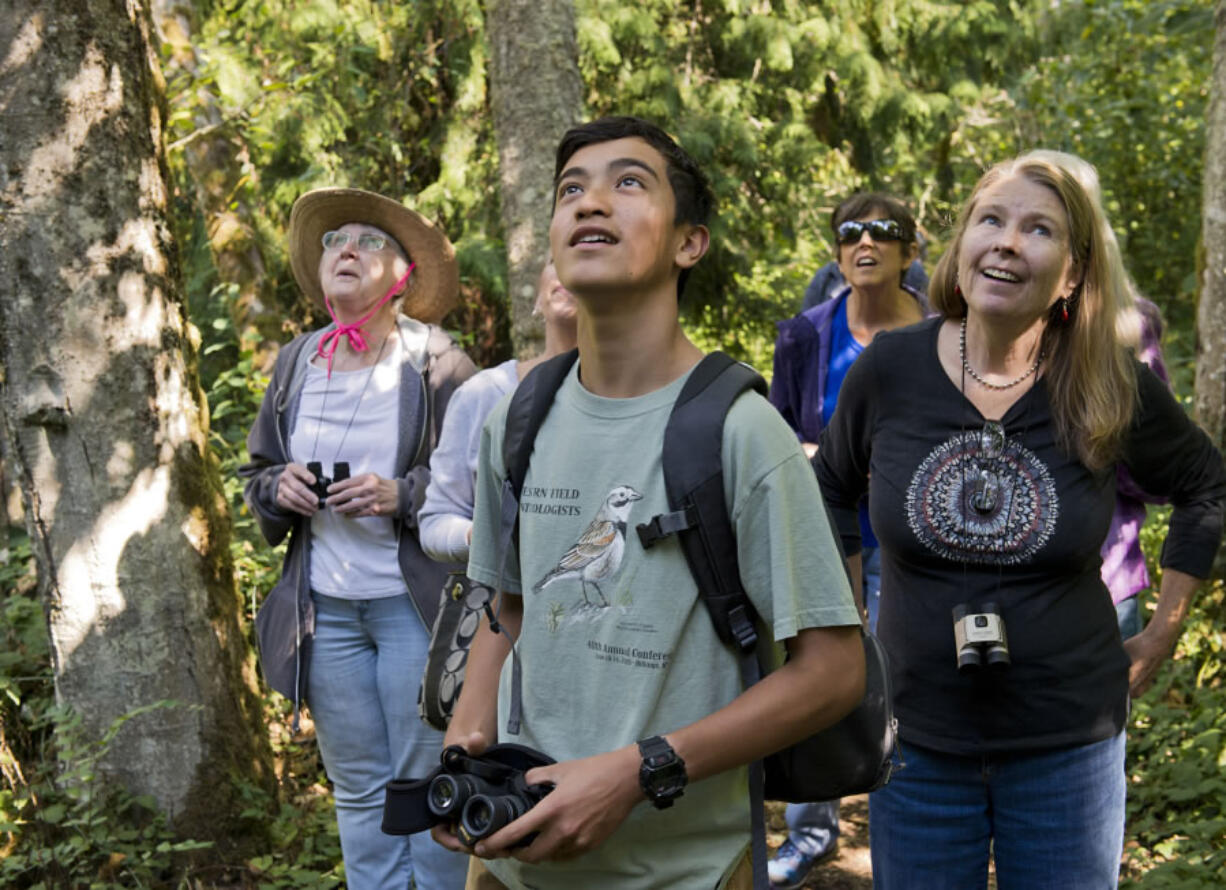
789, 867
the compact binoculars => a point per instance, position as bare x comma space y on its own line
340, 472
980, 638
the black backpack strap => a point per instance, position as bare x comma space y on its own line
530, 403
694, 480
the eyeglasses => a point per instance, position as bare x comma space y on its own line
878, 229
365, 241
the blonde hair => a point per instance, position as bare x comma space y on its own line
1090, 373
1129, 322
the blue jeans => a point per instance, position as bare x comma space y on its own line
1053, 819
366, 664
1128, 613
813, 827
870, 568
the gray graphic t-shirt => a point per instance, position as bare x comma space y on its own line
616, 645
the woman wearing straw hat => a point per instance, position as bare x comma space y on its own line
339, 462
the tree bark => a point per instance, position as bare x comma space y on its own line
106, 421
536, 95
1211, 308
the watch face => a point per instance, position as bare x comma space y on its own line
664, 775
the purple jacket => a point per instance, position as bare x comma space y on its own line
802, 356
1124, 570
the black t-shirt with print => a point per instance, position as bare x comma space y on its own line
969, 512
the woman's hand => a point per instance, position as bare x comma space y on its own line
365, 495
292, 491
591, 798
1147, 650
1152, 646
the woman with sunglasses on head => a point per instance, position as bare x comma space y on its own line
992, 434
876, 240
339, 463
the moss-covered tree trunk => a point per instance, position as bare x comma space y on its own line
105, 418
536, 94
1211, 311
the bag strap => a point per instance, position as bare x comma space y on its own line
526, 412
529, 405
694, 481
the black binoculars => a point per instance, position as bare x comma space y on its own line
478, 795
340, 472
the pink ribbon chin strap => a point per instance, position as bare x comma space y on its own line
357, 340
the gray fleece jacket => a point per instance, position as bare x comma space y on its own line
433, 368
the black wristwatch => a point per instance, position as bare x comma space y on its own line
662, 775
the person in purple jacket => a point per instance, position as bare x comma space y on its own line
876, 238
1124, 570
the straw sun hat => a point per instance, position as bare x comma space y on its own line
434, 285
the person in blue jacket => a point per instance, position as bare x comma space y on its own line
877, 249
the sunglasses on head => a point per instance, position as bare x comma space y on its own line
878, 229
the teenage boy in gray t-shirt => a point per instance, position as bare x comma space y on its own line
616, 645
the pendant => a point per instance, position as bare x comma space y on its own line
985, 493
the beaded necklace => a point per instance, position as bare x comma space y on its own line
966, 365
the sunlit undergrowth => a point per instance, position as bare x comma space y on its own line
63, 825
1177, 754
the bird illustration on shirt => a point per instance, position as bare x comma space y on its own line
598, 552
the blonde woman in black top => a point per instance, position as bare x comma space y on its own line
992, 434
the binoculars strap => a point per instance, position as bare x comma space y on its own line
751, 673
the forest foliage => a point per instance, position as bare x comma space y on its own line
789, 106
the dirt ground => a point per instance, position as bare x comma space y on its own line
849, 869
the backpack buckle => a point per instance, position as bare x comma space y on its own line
663, 525
742, 628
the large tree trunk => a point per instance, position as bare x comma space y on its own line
536, 94
1211, 310
105, 417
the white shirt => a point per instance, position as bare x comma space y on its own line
353, 417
